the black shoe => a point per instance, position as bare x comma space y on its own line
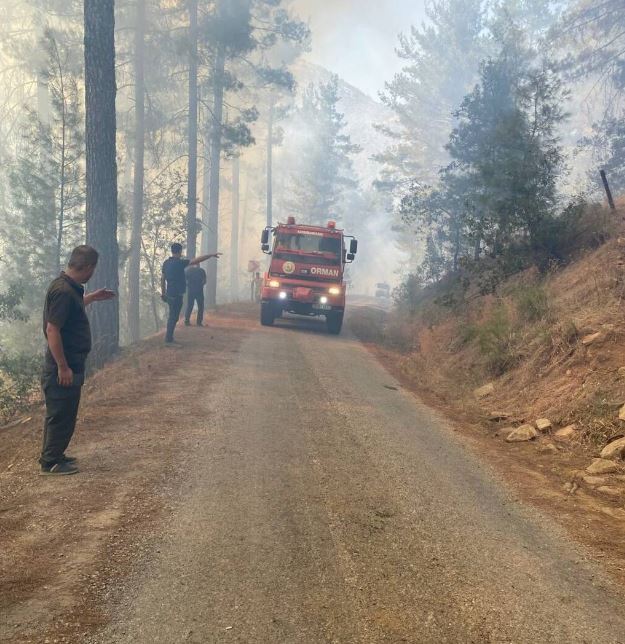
60, 469
200, 324
69, 459
187, 323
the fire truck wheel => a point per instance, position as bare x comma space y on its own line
334, 322
267, 315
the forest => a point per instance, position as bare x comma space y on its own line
131, 124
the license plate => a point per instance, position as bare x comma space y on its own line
323, 307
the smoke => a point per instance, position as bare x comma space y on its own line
356, 38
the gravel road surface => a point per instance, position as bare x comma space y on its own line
326, 504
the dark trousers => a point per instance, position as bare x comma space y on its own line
175, 306
192, 298
61, 412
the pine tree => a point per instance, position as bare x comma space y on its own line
324, 168
101, 177
134, 264
506, 147
500, 188
46, 183
441, 64
595, 31
238, 29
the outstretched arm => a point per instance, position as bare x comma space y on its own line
203, 258
101, 295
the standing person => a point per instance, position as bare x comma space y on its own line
174, 285
196, 279
68, 336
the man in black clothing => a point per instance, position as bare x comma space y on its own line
174, 285
66, 328
196, 278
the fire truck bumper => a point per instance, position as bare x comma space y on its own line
302, 300
302, 306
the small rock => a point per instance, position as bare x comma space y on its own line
549, 448
621, 413
595, 480
504, 431
543, 424
621, 372
587, 340
615, 449
601, 466
484, 391
566, 433
610, 490
522, 433
498, 415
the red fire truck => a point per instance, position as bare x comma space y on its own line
305, 275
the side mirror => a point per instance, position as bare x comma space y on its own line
353, 247
265, 248
351, 257
264, 238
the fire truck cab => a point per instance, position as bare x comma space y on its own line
306, 271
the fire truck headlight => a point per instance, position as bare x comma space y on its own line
334, 290
283, 295
323, 300
274, 284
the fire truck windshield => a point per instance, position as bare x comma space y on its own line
320, 249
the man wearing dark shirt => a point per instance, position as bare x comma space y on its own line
174, 285
196, 278
68, 336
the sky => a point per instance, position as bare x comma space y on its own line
356, 38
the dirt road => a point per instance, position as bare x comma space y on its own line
313, 500
326, 505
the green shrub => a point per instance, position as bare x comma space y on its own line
532, 303
496, 339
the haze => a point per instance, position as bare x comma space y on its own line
356, 39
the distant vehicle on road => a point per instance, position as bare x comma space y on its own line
383, 290
306, 273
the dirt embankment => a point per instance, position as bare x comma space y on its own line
66, 543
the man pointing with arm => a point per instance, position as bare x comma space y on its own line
66, 328
174, 285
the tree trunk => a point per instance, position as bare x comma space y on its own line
193, 112
456, 242
61, 218
206, 183
215, 165
234, 237
272, 107
101, 168
134, 263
